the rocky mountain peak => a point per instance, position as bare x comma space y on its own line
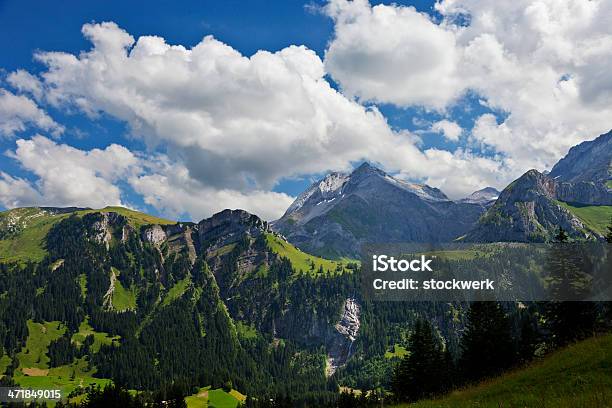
229, 226
483, 196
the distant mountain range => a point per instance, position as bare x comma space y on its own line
339, 213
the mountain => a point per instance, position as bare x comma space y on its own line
486, 196
576, 195
115, 293
527, 211
589, 162
339, 213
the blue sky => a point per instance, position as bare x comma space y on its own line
455, 92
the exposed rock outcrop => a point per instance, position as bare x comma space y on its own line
340, 347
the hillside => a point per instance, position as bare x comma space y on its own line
115, 293
577, 376
23, 230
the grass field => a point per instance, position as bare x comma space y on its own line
207, 398
5, 361
302, 261
27, 244
398, 351
34, 370
123, 299
245, 331
40, 335
577, 376
100, 338
135, 218
176, 291
596, 217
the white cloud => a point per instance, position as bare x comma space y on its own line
66, 176
226, 127
17, 112
544, 63
450, 130
392, 54
23, 81
17, 192
235, 123
170, 189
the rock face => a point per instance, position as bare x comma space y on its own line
154, 234
338, 214
340, 347
528, 210
229, 226
589, 162
584, 174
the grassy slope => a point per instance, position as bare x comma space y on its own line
596, 217
214, 398
398, 351
176, 291
123, 299
301, 261
577, 376
28, 244
34, 371
34, 353
100, 338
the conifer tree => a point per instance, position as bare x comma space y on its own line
561, 235
487, 346
421, 373
569, 279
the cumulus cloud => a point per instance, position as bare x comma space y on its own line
392, 54
450, 130
544, 64
66, 176
169, 188
25, 82
17, 112
237, 124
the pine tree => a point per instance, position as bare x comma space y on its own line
487, 345
561, 235
421, 373
568, 277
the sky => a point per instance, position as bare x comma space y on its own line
182, 109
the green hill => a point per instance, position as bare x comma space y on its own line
302, 261
23, 230
577, 376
